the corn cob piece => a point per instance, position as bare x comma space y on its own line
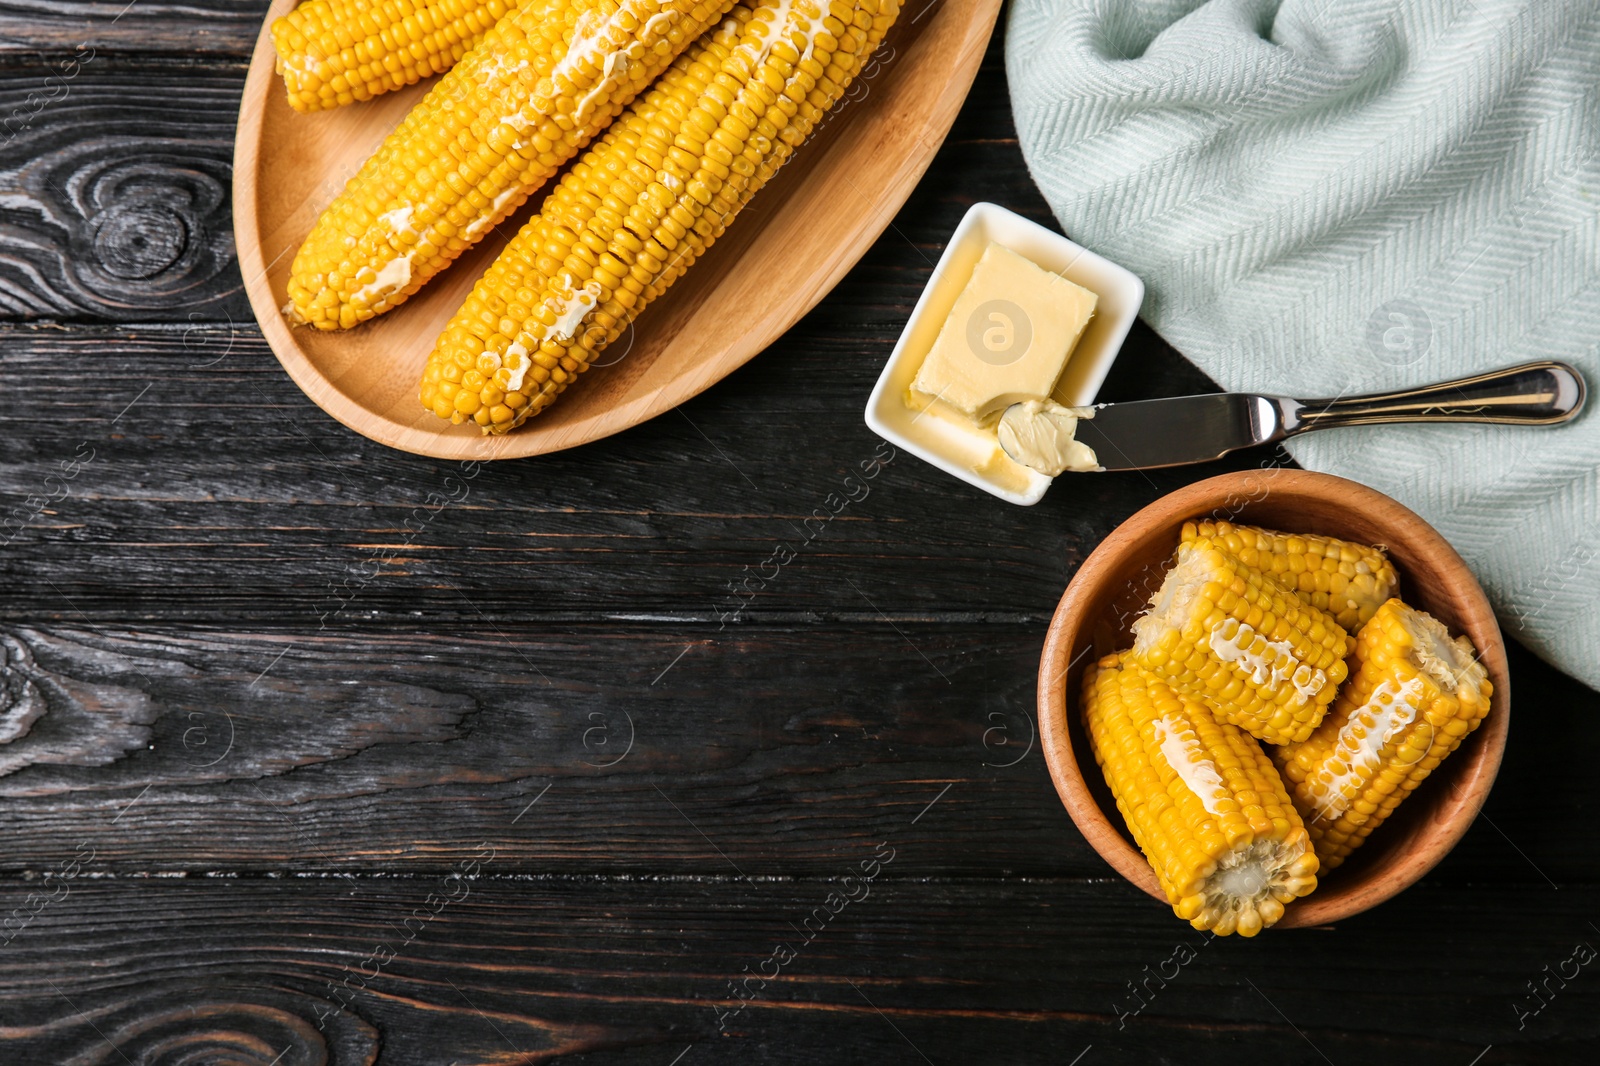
1413, 694
1228, 634
544, 80
645, 202
334, 52
1203, 801
1350, 581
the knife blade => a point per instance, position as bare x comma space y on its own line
1148, 434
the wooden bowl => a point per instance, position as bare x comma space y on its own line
1111, 588
789, 247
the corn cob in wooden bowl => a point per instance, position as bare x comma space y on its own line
1208, 706
391, 194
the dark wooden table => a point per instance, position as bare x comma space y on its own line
315, 752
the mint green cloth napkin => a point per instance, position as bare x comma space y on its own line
1339, 196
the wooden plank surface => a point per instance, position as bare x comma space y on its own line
267, 688
211, 487
116, 171
227, 27
524, 970
649, 750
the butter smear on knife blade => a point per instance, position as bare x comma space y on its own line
996, 361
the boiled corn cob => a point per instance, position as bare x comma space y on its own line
1349, 581
1230, 635
333, 52
1202, 800
644, 202
1413, 694
544, 80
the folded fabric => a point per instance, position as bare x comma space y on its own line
1328, 197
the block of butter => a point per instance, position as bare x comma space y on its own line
1007, 338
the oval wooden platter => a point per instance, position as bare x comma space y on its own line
792, 244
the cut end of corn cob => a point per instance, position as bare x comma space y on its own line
1228, 634
543, 81
1350, 581
645, 202
1414, 692
1449, 662
1203, 801
335, 52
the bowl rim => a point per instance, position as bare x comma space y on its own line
1474, 768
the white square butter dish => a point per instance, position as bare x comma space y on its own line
966, 451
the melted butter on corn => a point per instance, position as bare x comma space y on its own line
485, 222
516, 357
1414, 693
1188, 760
301, 67
1364, 738
598, 50
395, 275
1269, 661
399, 220
572, 311
787, 19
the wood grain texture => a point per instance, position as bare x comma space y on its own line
597, 971
114, 179
341, 753
220, 491
359, 752
221, 27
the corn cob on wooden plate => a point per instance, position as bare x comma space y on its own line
800, 236
1109, 591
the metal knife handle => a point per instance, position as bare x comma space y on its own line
1530, 394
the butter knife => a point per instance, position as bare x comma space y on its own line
1145, 434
